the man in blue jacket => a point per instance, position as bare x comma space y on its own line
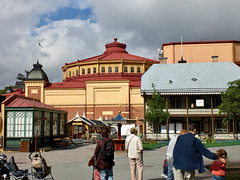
187, 155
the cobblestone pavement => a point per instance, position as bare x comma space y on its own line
72, 163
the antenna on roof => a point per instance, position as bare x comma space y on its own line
181, 48
182, 61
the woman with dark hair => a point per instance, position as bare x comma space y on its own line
104, 153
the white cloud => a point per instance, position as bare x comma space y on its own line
142, 24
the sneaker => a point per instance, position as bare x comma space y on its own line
164, 176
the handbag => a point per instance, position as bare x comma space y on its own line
97, 174
91, 161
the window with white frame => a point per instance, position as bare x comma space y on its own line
19, 124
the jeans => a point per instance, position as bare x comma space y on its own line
106, 174
218, 177
170, 170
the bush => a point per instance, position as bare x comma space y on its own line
149, 142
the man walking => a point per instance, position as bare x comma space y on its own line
134, 148
169, 155
187, 155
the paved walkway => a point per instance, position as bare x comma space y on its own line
72, 163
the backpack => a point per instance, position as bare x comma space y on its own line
107, 151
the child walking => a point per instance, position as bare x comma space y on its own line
218, 166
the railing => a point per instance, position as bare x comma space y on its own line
221, 130
193, 111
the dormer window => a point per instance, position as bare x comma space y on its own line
116, 69
103, 69
132, 69
138, 70
125, 69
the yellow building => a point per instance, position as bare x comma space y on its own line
97, 87
202, 51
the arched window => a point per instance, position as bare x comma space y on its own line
76, 72
132, 69
83, 71
109, 69
125, 69
116, 69
69, 73
103, 69
94, 70
138, 69
88, 70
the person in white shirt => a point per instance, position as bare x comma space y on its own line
134, 148
169, 155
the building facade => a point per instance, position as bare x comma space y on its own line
202, 51
24, 118
98, 87
192, 92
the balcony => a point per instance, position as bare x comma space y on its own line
193, 111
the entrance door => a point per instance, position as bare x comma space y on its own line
78, 132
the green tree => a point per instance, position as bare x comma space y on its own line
154, 111
3, 91
230, 104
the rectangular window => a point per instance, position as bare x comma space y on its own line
175, 103
62, 124
46, 123
178, 127
37, 123
55, 123
19, 124
171, 128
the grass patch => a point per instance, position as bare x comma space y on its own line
222, 143
151, 144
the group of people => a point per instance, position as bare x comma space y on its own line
104, 156
185, 155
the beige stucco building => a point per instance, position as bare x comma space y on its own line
202, 51
97, 87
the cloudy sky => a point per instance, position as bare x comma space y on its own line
70, 30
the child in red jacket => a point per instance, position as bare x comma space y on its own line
218, 166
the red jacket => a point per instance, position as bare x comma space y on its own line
99, 162
218, 168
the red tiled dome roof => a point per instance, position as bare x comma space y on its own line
115, 47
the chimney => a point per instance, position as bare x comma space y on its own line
182, 61
215, 58
163, 60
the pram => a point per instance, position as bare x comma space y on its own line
39, 168
16, 172
11, 167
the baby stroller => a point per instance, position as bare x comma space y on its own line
11, 167
16, 172
39, 169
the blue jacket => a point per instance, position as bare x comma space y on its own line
188, 151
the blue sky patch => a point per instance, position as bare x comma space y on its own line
65, 14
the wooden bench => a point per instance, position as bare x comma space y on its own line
62, 142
